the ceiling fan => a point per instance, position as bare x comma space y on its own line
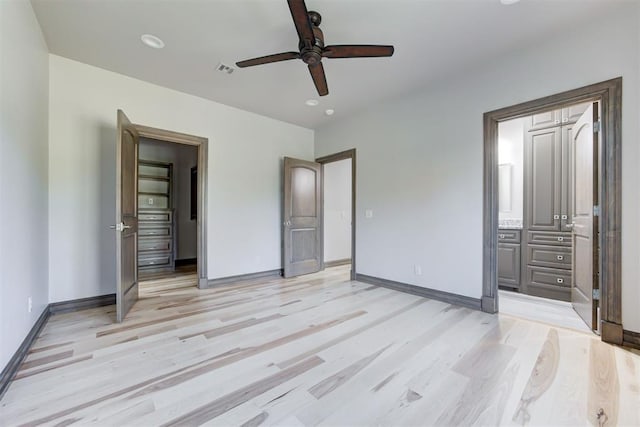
312, 48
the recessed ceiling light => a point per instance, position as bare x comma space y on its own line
152, 41
508, 2
311, 102
329, 112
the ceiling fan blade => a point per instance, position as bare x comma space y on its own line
300, 17
319, 79
357, 51
285, 56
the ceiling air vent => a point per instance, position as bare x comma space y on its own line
224, 68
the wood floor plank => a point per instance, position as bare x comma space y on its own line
220, 406
543, 374
315, 350
604, 387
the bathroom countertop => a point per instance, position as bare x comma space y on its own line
510, 224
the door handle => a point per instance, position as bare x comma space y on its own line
287, 223
119, 227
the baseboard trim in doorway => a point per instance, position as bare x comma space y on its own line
611, 332
243, 278
631, 339
9, 372
186, 261
455, 299
336, 263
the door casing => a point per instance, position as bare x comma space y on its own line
348, 154
202, 145
609, 96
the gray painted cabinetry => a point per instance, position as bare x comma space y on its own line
547, 208
509, 255
155, 217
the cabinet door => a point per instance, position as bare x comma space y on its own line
572, 114
543, 165
546, 120
509, 265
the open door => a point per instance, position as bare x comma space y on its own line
127, 216
585, 228
302, 230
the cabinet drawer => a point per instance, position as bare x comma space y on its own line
154, 217
548, 283
549, 238
148, 245
157, 260
549, 256
508, 236
155, 231
549, 276
146, 201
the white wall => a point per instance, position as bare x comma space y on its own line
183, 157
23, 173
337, 210
511, 152
244, 185
420, 156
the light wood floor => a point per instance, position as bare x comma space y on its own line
317, 349
552, 312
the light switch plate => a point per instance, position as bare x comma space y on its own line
368, 213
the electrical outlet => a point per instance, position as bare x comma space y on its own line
417, 269
29, 304
368, 213
150, 201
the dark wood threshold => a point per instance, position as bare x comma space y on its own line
631, 339
337, 262
434, 294
9, 372
243, 277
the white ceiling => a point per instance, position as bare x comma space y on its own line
432, 38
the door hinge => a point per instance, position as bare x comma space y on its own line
596, 294
596, 126
596, 210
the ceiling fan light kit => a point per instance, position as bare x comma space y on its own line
312, 49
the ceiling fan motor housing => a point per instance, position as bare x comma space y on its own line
312, 55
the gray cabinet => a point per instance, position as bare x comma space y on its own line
155, 217
555, 118
509, 259
547, 203
543, 179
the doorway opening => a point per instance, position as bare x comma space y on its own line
318, 227
167, 228
547, 174
559, 237
185, 247
146, 197
338, 210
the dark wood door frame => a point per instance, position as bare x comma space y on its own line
201, 221
343, 155
609, 95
